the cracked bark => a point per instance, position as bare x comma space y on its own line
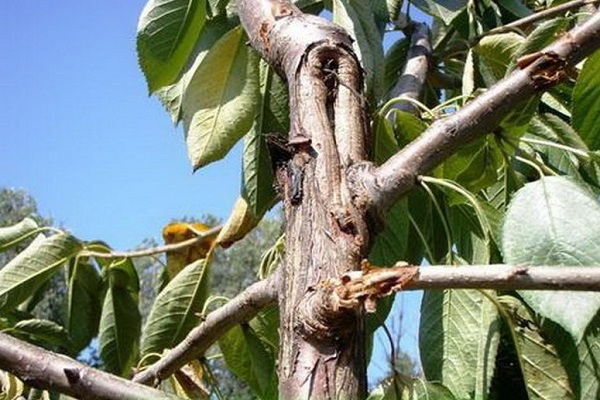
322, 353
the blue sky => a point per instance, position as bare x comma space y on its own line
79, 132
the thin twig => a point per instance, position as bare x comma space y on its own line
154, 250
541, 15
374, 282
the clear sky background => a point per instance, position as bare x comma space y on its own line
80, 134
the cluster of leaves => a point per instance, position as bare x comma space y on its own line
103, 300
524, 194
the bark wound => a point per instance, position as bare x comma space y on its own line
327, 235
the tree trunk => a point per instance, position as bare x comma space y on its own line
322, 347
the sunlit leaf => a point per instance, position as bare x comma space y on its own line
24, 274
177, 308
166, 34
12, 235
178, 232
241, 221
446, 10
496, 51
171, 96
219, 106
458, 339
554, 221
586, 102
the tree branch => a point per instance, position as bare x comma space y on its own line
201, 236
242, 308
43, 369
415, 71
538, 16
373, 282
383, 186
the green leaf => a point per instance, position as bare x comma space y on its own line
544, 34
403, 387
359, 21
47, 334
446, 10
586, 102
24, 274
171, 96
475, 166
407, 127
219, 106
83, 304
545, 377
458, 339
176, 308
581, 359
588, 349
496, 51
257, 173
251, 359
516, 8
12, 235
120, 321
166, 34
554, 221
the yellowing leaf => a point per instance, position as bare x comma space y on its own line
180, 232
240, 222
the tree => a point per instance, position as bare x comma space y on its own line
481, 155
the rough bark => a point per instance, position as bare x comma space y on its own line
322, 351
43, 369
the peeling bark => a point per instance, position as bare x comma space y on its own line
322, 352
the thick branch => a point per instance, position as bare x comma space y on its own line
240, 309
413, 77
43, 369
384, 185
